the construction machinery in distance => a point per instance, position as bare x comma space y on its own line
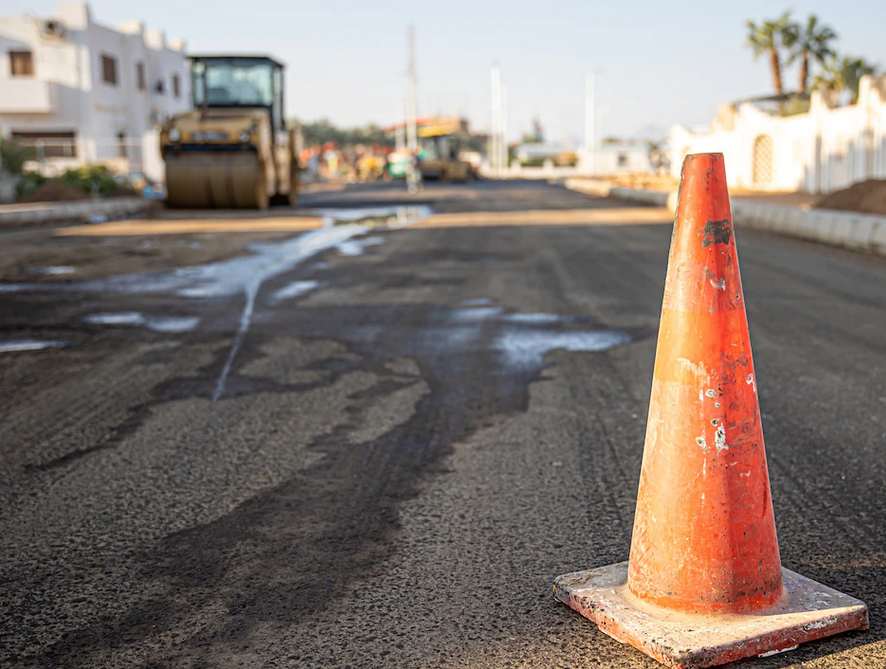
443, 144
233, 149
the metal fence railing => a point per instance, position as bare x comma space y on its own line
54, 155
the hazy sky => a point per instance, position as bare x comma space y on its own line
658, 63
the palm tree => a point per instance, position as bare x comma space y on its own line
803, 42
852, 70
830, 78
843, 73
767, 38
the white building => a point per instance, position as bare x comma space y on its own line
616, 158
80, 92
821, 151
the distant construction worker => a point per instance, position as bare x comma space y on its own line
413, 172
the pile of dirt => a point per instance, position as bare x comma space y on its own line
55, 191
868, 197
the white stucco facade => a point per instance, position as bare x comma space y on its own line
90, 93
821, 151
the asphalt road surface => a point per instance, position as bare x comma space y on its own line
378, 447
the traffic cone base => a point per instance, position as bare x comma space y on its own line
806, 611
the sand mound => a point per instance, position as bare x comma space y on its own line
868, 197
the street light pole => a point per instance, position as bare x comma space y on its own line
590, 122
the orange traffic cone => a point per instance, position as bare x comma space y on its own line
704, 584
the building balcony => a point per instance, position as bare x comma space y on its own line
28, 96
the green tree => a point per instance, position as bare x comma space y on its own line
805, 42
322, 131
767, 37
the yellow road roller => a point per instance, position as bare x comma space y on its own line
233, 149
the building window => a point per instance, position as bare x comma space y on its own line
176, 86
140, 76
21, 63
121, 144
40, 145
109, 70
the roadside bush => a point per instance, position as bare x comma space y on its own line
93, 179
74, 184
12, 156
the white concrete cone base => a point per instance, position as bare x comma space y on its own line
808, 611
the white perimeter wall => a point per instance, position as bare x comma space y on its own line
821, 151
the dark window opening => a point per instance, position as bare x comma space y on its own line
121, 144
140, 76
41, 145
109, 70
176, 86
21, 63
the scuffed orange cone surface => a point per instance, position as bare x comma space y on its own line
704, 533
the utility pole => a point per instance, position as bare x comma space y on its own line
411, 130
495, 132
504, 127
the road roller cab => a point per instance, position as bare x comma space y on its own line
233, 149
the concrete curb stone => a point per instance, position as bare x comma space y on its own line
852, 230
50, 212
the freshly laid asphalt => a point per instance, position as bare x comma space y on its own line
387, 454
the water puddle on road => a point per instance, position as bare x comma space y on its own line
243, 275
355, 247
57, 270
527, 349
292, 290
170, 324
476, 302
19, 345
373, 217
519, 341
523, 339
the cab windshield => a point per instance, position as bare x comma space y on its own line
233, 82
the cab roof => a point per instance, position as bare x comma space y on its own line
238, 56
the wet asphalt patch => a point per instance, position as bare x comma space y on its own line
477, 360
